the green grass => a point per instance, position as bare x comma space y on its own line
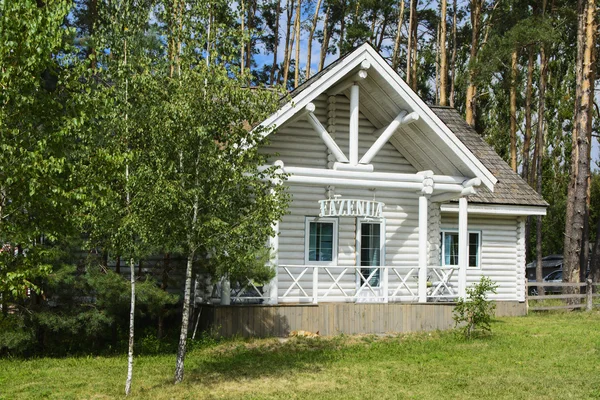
548, 356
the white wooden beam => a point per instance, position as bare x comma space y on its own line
361, 183
422, 286
323, 134
440, 198
378, 176
383, 138
495, 209
354, 120
346, 83
463, 246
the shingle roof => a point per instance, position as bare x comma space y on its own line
510, 189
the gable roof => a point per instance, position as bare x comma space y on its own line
500, 184
398, 96
511, 188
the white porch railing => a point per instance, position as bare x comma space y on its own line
335, 283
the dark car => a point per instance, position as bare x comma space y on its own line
552, 277
550, 264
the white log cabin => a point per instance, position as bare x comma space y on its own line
397, 207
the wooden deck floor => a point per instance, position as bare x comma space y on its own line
335, 318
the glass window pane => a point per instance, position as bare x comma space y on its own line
370, 252
450, 248
473, 249
320, 241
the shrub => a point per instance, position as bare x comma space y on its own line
476, 312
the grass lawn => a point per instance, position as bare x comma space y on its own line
549, 356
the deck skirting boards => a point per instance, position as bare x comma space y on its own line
335, 318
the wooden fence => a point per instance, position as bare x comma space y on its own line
577, 298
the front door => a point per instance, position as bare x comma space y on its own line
369, 254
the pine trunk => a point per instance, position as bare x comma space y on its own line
396, 53
539, 144
513, 111
443, 57
472, 88
325, 44
583, 125
297, 63
454, 46
410, 45
276, 44
311, 34
288, 39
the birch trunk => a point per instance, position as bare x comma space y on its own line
513, 111
131, 328
185, 317
311, 34
443, 56
131, 263
396, 53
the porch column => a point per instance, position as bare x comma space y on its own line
463, 246
423, 206
424, 198
273, 288
354, 121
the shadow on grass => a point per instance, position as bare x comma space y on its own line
241, 361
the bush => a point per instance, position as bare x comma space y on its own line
476, 312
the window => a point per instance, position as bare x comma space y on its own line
371, 251
320, 241
450, 248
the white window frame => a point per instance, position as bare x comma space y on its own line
358, 248
443, 248
334, 251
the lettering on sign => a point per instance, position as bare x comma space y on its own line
351, 208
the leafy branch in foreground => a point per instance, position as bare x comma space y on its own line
476, 311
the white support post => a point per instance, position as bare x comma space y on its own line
423, 207
384, 283
273, 285
354, 119
316, 285
463, 246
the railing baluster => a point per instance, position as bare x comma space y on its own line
384, 283
316, 284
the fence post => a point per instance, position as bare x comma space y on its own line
589, 294
315, 284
